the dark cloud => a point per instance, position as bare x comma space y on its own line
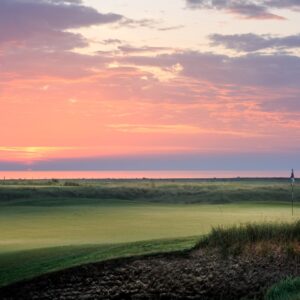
260, 72
112, 41
249, 9
54, 41
34, 64
19, 18
61, 1
148, 23
45, 22
248, 70
131, 49
285, 104
252, 11
253, 42
171, 28
30, 23
293, 4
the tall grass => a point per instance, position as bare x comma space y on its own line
226, 238
288, 289
172, 191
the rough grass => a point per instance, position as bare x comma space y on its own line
288, 289
162, 191
236, 238
16, 266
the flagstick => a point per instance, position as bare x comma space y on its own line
292, 199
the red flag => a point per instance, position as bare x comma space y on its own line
293, 177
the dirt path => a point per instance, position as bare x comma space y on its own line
196, 275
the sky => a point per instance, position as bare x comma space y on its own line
135, 84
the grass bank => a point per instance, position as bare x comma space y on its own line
16, 266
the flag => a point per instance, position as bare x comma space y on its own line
293, 177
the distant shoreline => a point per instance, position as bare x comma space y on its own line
8, 177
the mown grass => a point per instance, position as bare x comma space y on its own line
20, 265
29, 227
288, 289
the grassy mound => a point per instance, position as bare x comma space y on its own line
288, 289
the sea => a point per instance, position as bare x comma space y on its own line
161, 174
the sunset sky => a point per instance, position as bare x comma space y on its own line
135, 84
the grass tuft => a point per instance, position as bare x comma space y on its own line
228, 240
288, 289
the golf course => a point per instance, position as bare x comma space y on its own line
50, 225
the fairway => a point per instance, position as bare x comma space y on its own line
28, 227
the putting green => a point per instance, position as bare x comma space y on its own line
29, 227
